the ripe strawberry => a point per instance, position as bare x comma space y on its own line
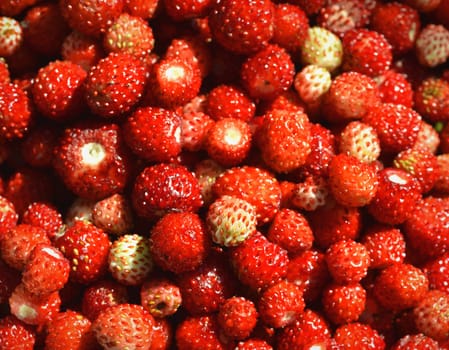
350, 97
258, 262
310, 194
397, 195
253, 344
442, 183
145, 9
237, 317
165, 188
160, 297
69, 329
431, 99
18, 242
12, 35
162, 334
207, 171
436, 271
423, 5
229, 101
180, 10
247, 32
357, 335
290, 26
194, 129
82, 49
13, 8
124, 326
179, 242
267, 73
115, 84
386, 246
322, 48
153, 133
432, 45
129, 259
58, 92
91, 160
8, 216
311, 83
129, 34
4, 72
431, 316
255, 185
414, 342
113, 214
400, 286
15, 334
91, 18
37, 147
15, 111
399, 23
33, 309
347, 261
87, 248
101, 295
395, 88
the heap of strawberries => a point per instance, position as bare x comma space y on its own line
224, 174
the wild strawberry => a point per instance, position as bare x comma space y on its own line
12, 35
290, 26
432, 45
310, 194
162, 334
204, 289
129, 34
38, 145
357, 335
91, 18
255, 185
80, 209
258, 262
68, 329
311, 83
288, 100
229, 101
359, 140
436, 271
15, 111
237, 317
153, 133
400, 286
81, 49
4, 72
129, 259
33, 309
395, 88
415, 341
8, 216
91, 160
247, 32
442, 183
253, 344
115, 84
113, 214
16, 7
179, 242
426, 228
399, 23
160, 297
386, 246
322, 48
194, 129
350, 97
180, 10
58, 90
44, 29
431, 99
431, 316
9, 280
396, 125
309, 331
423, 5
199, 332
165, 188
15, 334
18, 242
87, 248
100, 295
142, 8
124, 326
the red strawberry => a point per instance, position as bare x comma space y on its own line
153, 133
58, 90
69, 329
162, 334
165, 188
400, 286
194, 129
124, 326
432, 45
253, 344
247, 32
13, 8
357, 335
100, 295
415, 342
431, 99
423, 5
268, 72
436, 271
87, 248
160, 297
12, 35
255, 185
431, 316
15, 334
113, 214
237, 317
180, 10
82, 50
179, 242
115, 84
395, 88
92, 161
290, 26
145, 9
258, 262
8, 217
38, 145
91, 18
4, 72
9, 279
442, 183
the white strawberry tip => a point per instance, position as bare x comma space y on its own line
397, 179
92, 154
